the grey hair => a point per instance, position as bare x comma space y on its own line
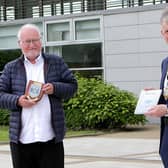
164, 16
32, 26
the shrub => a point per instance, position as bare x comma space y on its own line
4, 117
98, 105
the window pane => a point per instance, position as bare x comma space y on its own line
10, 13
87, 29
85, 55
47, 10
58, 31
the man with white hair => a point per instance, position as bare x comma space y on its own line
32, 87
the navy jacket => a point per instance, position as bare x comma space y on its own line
164, 69
13, 84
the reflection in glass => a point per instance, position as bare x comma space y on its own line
87, 29
79, 56
58, 31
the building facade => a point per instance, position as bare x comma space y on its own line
121, 42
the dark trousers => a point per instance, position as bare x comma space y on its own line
164, 147
38, 155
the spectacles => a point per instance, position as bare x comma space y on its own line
28, 42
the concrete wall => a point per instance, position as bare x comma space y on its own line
133, 48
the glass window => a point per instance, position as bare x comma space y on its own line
85, 55
1, 13
35, 11
10, 13
76, 7
47, 10
58, 31
66, 8
87, 29
58, 9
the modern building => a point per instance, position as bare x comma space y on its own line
119, 40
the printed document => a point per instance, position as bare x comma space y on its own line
147, 99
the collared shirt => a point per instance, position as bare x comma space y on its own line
36, 120
165, 90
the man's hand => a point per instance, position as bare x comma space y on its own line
157, 111
24, 102
48, 88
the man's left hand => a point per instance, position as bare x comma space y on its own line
48, 88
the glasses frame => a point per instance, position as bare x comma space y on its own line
29, 41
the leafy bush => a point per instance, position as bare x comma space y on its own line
98, 105
8, 55
4, 117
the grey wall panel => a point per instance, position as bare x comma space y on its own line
121, 32
136, 86
151, 45
151, 59
122, 60
121, 19
135, 60
149, 30
150, 16
121, 46
133, 49
133, 74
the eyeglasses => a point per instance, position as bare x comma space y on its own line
28, 42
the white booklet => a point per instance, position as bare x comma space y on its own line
147, 99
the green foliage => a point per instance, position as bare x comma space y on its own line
4, 117
8, 55
98, 105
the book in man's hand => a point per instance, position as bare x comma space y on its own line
34, 90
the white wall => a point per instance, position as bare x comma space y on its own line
133, 48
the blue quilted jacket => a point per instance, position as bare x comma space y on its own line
13, 83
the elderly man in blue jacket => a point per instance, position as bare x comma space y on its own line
33, 87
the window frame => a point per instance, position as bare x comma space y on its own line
72, 40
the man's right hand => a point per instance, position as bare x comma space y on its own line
24, 102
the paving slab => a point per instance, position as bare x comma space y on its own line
131, 148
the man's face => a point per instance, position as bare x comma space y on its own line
30, 43
164, 31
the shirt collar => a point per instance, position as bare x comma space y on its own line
38, 59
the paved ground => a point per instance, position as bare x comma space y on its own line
129, 148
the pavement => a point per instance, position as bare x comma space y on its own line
133, 147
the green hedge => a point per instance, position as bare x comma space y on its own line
8, 55
96, 105
4, 117
100, 106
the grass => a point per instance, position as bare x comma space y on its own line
4, 136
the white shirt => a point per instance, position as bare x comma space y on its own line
36, 120
165, 89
